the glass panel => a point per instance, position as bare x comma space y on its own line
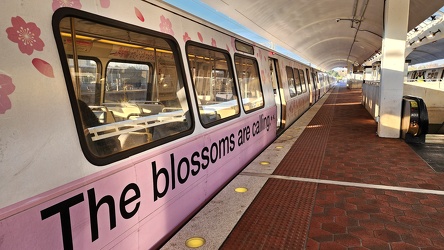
139, 98
88, 76
291, 84
213, 84
301, 75
249, 82
243, 47
297, 81
126, 82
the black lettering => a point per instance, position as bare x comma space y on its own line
240, 139
214, 149
123, 202
94, 209
256, 128
205, 157
156, 175
173, 173
196, 163
65, 219
224, 147
179, 172
247, 133
232, 142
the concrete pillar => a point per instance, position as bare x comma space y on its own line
392, 67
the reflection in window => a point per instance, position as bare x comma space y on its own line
88, 75
213, 84
291, 82
126, 81
137, 99
301, 75
297, 81
249, 82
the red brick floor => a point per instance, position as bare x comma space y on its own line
340, 144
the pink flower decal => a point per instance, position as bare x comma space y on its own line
186, 37
200, 37
105, 3
26, 35
213, 42
166, 26
43, 67
139, 14
228, 48
66, 3
6, 88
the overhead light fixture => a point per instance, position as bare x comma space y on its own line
420, 39
433, 34
348, 19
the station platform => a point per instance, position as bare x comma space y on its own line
328, 182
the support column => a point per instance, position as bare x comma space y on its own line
392, 67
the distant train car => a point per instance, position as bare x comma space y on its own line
121, 119
426, 75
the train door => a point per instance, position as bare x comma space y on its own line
315, 86
310, 87
275, 80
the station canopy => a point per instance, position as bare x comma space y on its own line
327, 33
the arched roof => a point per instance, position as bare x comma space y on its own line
327, 33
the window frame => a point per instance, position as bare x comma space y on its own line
259, 78
96, 160
105, 70
230, 67
293, 83
303, 82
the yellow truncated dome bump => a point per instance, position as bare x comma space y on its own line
195, 242
241, 190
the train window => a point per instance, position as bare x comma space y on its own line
215, 89
244, 47
297, 81
88, 76
127, 81
291, 82
139, 99
304, 86
249, 82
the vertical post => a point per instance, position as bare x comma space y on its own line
392, 67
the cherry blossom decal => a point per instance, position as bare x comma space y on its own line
200, 37
139, 14
186, 37
26, 35
166, 26
66, 3
43, 67
6, 88
105, 3
213, 42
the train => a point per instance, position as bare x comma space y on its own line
435, 74
121, 119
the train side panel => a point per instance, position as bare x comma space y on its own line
53, 197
